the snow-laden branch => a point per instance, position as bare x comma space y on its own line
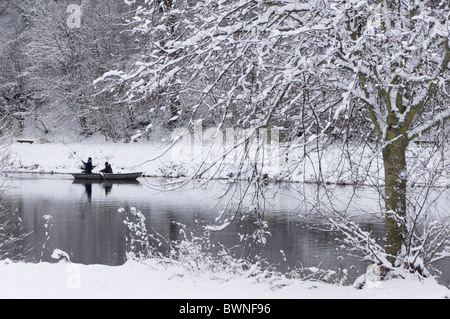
437, 120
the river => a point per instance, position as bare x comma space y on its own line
86, 224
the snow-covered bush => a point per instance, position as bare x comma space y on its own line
11, 235
173, 170
427, 243
196, 253
136, 238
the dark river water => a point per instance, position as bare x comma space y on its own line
86, 224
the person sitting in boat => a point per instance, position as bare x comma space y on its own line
107, 169
88, 167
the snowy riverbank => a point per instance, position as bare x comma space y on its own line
353, 166
156, 280
62, 158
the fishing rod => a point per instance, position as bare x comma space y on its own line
72, 152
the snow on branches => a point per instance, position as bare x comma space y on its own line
354, 70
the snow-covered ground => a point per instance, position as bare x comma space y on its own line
153, 279
337, 166
66, 158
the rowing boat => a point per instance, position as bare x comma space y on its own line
108, 176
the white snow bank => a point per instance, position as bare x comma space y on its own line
154, 280
361, 166
66, 158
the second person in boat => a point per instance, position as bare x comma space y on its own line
107, 169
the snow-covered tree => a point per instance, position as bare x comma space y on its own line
311, 66
63, 58
15, 98
394, 57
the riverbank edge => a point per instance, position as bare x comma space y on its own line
64, 280
65, 159
146, 176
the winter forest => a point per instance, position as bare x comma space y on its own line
330, 93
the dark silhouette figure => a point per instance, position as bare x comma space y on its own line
107, 169
88, 167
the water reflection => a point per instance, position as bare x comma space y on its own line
87, 225
106, 185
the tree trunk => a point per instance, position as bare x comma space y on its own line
394, 157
